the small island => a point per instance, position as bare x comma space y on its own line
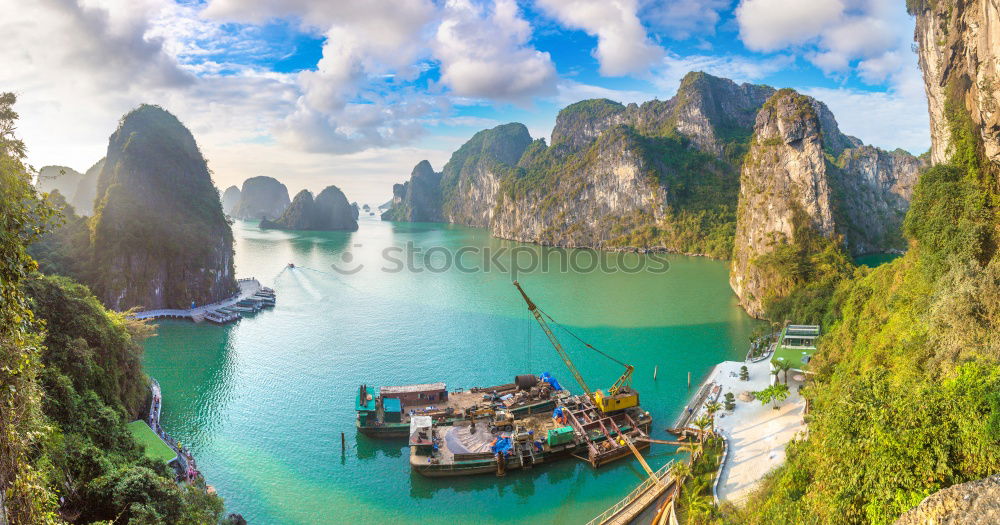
329, 211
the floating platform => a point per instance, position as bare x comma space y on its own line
470, 448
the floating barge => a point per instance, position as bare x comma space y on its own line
387, 412
577, 428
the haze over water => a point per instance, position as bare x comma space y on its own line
262, 403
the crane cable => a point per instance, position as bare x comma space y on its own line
568, 331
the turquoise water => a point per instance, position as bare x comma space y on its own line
262, 403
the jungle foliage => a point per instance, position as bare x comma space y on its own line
70, 378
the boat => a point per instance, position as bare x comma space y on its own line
387, 412
596, 426
577, 428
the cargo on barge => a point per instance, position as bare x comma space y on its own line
387, 412
576, 428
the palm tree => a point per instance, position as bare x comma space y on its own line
702, 423
695, 504
774, 372
679, 472
693, 448
712, 408
785, 366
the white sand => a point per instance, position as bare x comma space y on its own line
757, 434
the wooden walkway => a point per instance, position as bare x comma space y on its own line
648, 492
248, 287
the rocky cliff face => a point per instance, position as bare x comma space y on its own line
803, 176
86, 190
661, 175
261, 198
970, 502
230, 199
58, 178
586, 200
328, 211
160, 237
471, 178
959, 53
418, 199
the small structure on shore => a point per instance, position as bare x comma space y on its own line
797, 345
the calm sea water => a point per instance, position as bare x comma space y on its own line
262, 403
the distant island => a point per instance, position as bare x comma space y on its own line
329, 211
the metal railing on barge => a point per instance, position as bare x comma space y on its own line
632, 496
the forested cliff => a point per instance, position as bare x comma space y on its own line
905, 397
807, 190
663, 175
160, 239
70, 378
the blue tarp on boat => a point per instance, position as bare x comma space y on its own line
547, 377
502, 446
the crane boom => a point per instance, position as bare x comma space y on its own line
552, 339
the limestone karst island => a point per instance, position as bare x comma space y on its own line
570, 262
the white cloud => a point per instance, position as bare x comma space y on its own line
486, 54
623, 46
682, 19
571, 91
770, 25
869, 37
672, 69
888, 120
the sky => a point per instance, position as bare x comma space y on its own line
355, 93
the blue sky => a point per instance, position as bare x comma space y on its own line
356, 93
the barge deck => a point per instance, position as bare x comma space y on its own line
582, 431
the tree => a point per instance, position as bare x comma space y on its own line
774, 372
730, 401
764, 396
696, 505
780, 393
679, 471
785, 366
744, 373
693, 448
712, 408
702, 423
22, 429
774, 393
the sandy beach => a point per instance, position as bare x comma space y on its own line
757, 434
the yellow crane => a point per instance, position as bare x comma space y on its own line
619, 397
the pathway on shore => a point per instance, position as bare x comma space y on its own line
248, 287
757, 434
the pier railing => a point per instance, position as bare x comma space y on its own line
632, 496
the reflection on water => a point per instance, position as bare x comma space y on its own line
264, 402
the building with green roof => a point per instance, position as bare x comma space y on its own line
797, 345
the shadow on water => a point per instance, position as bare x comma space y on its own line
522, 483
368, 448
195, 367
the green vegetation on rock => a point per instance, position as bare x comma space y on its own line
70, 379
906, 400
160, 239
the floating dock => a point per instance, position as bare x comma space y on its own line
386, 412
251, 298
